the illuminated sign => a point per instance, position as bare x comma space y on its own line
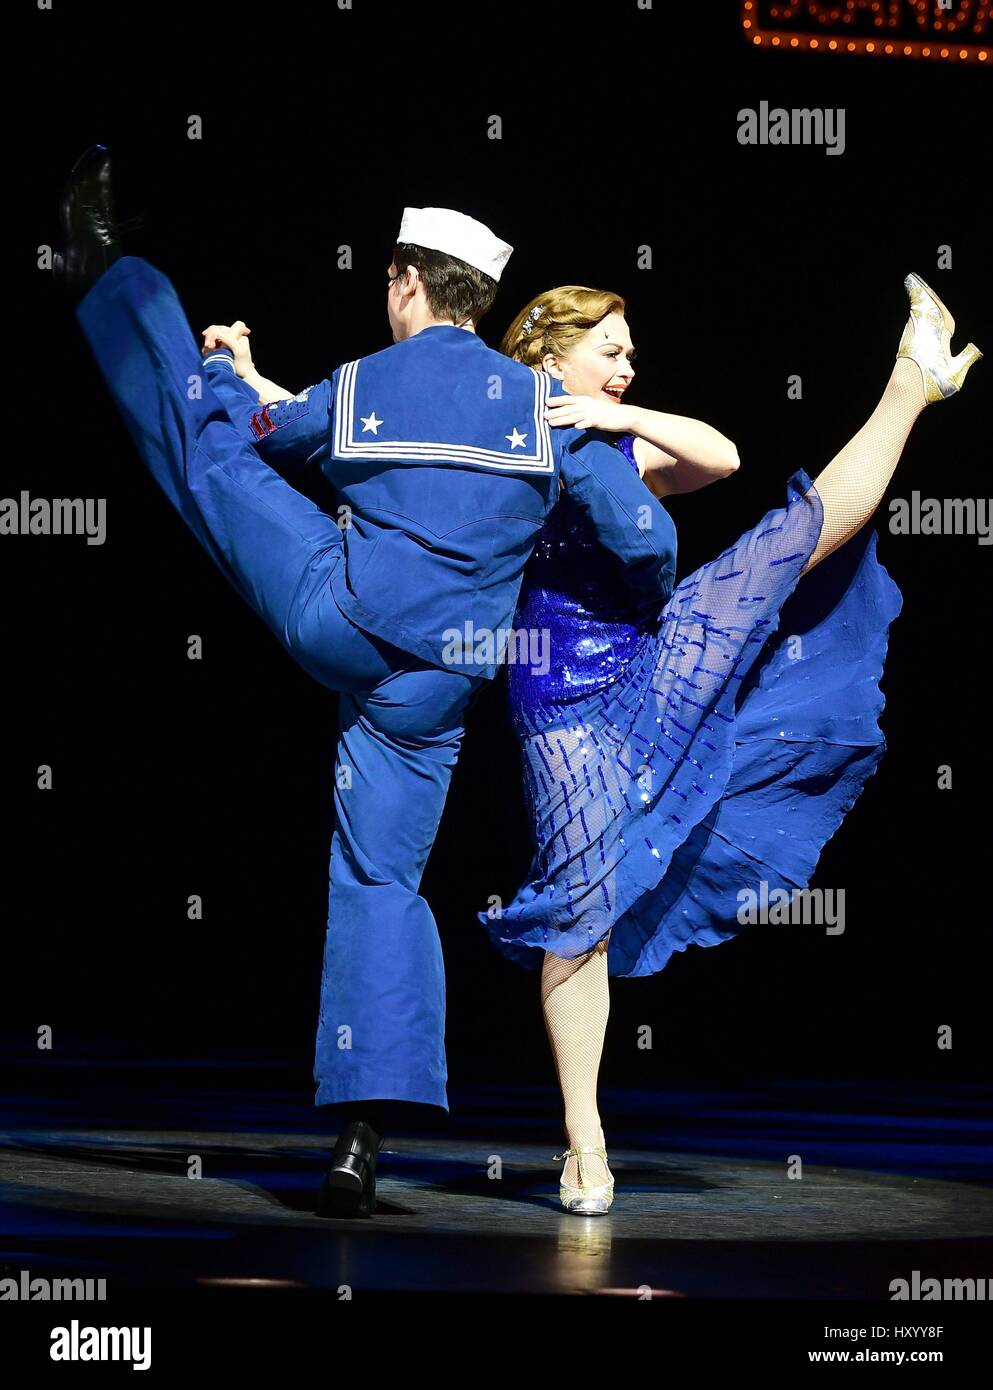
951, 31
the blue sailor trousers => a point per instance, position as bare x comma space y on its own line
380, 1031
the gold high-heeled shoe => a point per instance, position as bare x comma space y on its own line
589, 1199
927, 341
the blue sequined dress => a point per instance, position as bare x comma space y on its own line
673, 760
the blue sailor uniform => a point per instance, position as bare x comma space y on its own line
456, 521
445, 464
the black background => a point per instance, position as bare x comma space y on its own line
214, 777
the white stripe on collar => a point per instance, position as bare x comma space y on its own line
345, 444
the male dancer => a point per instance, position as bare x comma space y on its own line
440, 448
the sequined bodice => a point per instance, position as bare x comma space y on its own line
575, 590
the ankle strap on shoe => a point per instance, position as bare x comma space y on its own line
582, 1149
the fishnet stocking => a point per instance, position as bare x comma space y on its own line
575, 999
852, 485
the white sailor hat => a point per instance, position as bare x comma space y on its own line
441, 229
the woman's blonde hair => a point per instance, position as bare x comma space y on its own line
566, 314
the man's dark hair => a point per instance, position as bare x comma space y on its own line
454, 290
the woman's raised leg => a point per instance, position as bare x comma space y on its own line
852, 485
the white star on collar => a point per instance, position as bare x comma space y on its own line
517, 441
369, 422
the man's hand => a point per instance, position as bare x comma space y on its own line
235, 337
588, 413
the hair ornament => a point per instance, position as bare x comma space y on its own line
532, 319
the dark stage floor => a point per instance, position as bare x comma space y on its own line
94, 1162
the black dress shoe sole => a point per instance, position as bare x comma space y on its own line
345, 1194
90, 229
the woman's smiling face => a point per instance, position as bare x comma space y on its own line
600, 364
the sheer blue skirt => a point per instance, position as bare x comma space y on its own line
723, 758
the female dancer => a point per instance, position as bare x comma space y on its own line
663, 785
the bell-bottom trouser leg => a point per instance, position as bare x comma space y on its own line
381, 1030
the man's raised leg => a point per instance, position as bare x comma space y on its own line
275, 546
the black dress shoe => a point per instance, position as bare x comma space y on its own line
349, 1187
90, 229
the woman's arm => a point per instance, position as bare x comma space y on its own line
267, 390
235, 337
286, 436
676, 453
